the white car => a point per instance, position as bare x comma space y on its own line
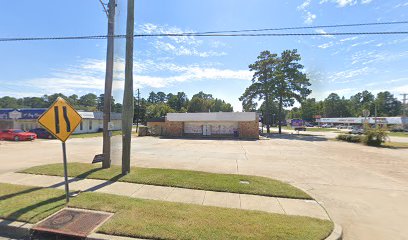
357, 130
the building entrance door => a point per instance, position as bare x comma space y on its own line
206, 130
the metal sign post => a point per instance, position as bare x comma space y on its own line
64, 156
60, 120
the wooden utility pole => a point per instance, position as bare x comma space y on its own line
138, 110
107, 102
128, 105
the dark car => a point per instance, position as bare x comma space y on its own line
17, 135
42, 133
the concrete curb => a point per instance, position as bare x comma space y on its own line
337, 233
99, 236
15, 229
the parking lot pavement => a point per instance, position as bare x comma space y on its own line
364, 189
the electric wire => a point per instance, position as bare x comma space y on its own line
232, 33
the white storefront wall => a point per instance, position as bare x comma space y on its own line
94, 125
214, 128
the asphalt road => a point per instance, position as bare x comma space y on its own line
364, 189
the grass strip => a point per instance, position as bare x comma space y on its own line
162, 220
91, 135
177, 178
29, 204
398, 134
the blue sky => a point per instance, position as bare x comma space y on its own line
341, 64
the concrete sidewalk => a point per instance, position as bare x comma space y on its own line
287, 206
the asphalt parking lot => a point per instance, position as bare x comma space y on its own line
364, 189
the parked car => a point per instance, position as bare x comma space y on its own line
308, 124
327, 125
42, 133
357, 130
17, 135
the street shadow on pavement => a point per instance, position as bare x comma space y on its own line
298, 137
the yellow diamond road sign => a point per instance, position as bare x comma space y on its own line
60, 119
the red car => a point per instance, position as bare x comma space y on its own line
16, 135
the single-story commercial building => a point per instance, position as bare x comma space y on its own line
362, 120
26, 119
212, 124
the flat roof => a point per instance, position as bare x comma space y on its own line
212, 117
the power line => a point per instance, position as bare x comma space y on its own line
98, 37
304, 27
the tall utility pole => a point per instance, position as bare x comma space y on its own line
128, 105
138, 110
404, 111
107, 102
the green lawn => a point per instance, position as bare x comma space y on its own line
395, 145
29, 204
91, 135
398, 134
315, 129
178, 178
162, 220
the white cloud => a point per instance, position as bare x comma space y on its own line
401, 5
326, 45
346, 3
349, 75
348, 39
89, 76
321, 31
368, 57
178, 45
307, 15
304, 5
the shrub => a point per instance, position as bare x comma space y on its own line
349, 138
375, 136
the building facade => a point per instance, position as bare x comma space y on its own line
362, 120
26, 119
218, 124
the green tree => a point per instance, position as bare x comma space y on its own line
101, 102
309, 108
387, 105
334, 106
272, 106
8, 102
360, 101
152, 98
161, 97
51, 98
73, 99
177, 102
279, 78
89, 101
261, 87
218, 105
140, 110
158, 110
197, 104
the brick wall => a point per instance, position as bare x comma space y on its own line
173, 129
248, 129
